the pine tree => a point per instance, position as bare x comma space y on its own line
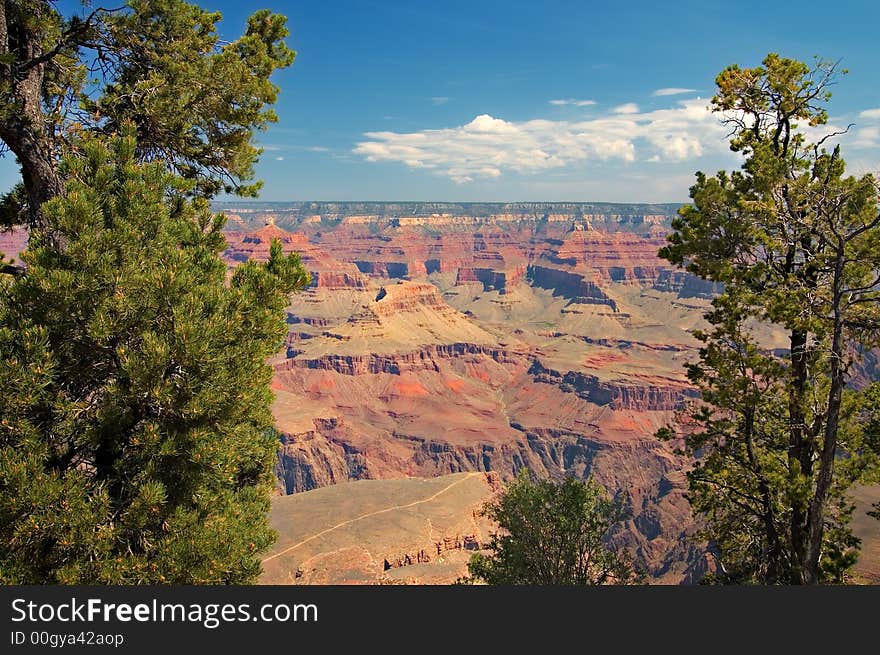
136, 441
780, 436
552, 534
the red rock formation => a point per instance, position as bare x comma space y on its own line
326, 271
617, 257
392, 382
393, 298
491, 278
572, 285
642, 470
647, 394
426, 358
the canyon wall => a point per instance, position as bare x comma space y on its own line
431, 348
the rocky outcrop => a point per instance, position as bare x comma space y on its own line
687, 285
318, 458
650, 395
423, 359
387, 380
335, 279
643, 472
401, 270
394, 298
326, 271
469, 542
571, 285
308, 320
492, 280
615, 257
640, 219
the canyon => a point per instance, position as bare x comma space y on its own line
441, 348
430, 346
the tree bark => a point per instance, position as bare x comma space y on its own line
816, 519
798, 341
24, 129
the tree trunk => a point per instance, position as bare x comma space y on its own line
816, 519
798, 340
24, 129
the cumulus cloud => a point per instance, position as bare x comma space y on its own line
628, 108
487, 146
870, 114
572, 101
439, 100
867, 137
672, 91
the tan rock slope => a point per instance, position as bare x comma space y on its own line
380, 531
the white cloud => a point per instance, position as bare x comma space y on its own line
628, 108
439, 100
572, 101
279, 159
672, 91
870, 114
487, 146
317, 149
866, 137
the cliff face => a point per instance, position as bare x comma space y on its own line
574, 286
476, 215
643, 471
465, 407
394, 298
616, 257
424, 359
564, 252
315, 458
658, 396
492, 280
686, 285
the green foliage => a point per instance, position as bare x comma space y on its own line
158, 64
779, 437
552, 534
195, 104
136, 440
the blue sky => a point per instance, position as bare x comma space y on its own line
503, 101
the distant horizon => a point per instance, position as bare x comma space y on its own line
227, 201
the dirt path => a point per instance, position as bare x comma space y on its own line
366, 516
